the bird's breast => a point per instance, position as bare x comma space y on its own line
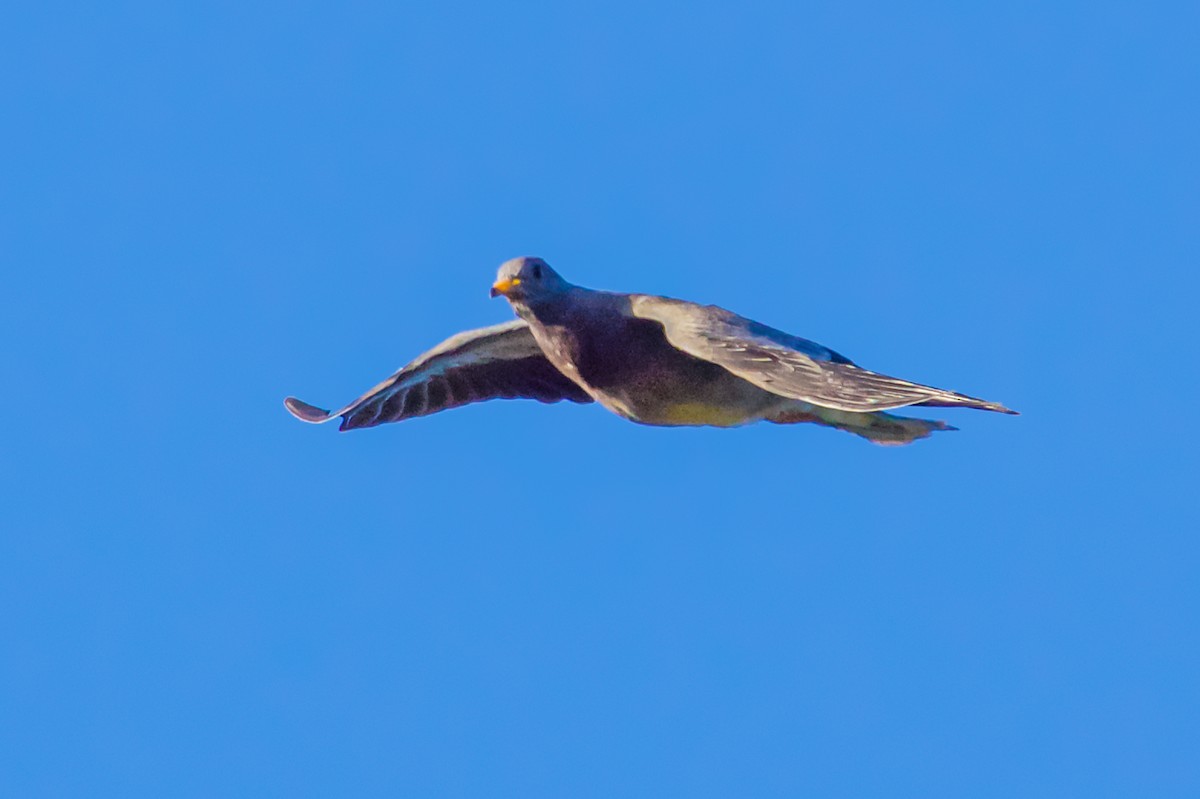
628, 366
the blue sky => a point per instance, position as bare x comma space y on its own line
205, 208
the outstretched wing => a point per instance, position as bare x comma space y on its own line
498, 362
785, 364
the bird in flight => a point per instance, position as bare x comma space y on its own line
652, 360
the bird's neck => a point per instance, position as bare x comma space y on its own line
552, 310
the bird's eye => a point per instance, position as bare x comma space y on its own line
537, 272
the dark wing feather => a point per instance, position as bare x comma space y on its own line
788, 365
498, 362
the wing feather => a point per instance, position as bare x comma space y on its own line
788, 365
498, 362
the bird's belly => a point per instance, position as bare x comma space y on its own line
726, 402
700, 413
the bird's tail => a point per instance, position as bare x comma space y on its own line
880, 428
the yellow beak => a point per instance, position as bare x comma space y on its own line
503, 287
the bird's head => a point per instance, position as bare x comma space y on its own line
528, 280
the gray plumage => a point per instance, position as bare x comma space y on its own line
652, 360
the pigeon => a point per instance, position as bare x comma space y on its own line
652, 360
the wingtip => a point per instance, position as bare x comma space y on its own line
305, 412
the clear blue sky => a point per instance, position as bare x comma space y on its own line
205, 208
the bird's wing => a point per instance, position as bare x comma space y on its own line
498, 362
787, 365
